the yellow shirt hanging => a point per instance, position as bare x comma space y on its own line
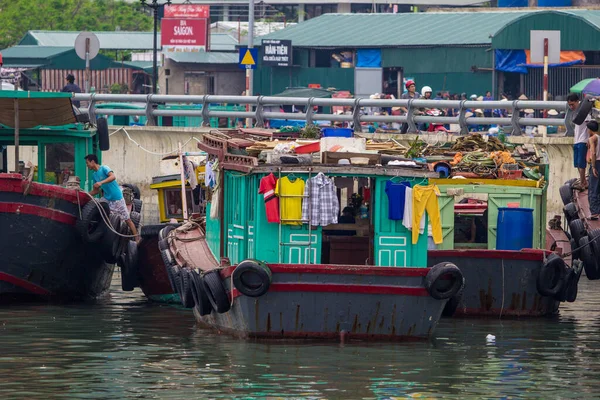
290, 208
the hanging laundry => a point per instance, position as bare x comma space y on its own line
321, 207
426, 198
396, 195
209, 175
290, 200
408, 212
215, 205
267, 188
189, 172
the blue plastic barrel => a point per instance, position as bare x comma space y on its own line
555, 3
515, 228
337, 132
513, 3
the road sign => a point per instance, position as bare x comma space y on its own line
92, 48
248, 58
537, 46
276, 53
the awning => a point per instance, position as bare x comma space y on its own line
305, 92
520, 60
36, 109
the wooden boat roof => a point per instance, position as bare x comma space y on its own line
36, 109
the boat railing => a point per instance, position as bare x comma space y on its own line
357, 110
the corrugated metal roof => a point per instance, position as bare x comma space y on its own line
119, 40
204, 57
33, 52
397, 30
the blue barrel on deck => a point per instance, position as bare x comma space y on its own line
555, 3
515, 228
513, 3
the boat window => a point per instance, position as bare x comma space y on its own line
471, 221
173, 206
60, 162
26, 154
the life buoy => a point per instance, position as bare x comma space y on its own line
215, 291
91, 225
444, 280
201, 300
185, 289
129, 267
551, 278
252, 278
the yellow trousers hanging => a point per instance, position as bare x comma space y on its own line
426, 198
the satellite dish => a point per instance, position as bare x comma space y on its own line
81, 45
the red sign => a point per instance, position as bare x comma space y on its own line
187, 11
190, 34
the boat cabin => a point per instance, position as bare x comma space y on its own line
343, 217
40, 130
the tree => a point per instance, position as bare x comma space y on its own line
19, 16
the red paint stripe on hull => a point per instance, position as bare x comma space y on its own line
524, 255
335, 288
14, 183
338, 270
30, 287
48, 213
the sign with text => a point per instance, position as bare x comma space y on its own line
276, 53
187, 11
179, 34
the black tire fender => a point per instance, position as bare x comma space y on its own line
577, 229
137, 205
575, 254
594, 239
551, 278
186, 289
252, 278
134, 189
111, 245
173, 274
566, 194
203, 305
216, 292
91, 225
135, 217
570, 211
129, 267
436, 277
573, 281
102, 132
453, 303
590, 262
571, 181
151, 231
585, 107
165, 231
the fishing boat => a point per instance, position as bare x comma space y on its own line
54, 238
285, 267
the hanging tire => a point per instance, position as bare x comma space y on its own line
91, 225
585, 107
112, 244
590, 262
186, 289
216, 292
572, 283
435, 281
594, 239
102, 132
577, 229
137, 205
551, 278
129, 267
570, 211
134, 189
199, 293
135, 217
570, 182
566, 194
252, 278
575, 254
452, 304
173, 274
167, 257
150, 231
165, 231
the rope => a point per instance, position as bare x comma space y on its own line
502, 307
580, 247
149, 151
106, 218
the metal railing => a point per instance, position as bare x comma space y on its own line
358, 114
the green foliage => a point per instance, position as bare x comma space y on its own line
119, 88
310, 132
18, 17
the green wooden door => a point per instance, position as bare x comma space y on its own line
496, 201
446, 204
235, 216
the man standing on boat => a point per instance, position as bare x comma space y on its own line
580, 146
71, 87
105, 179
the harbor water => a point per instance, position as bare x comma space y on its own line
124, 347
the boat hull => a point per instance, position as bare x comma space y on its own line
153, 278
42, 253
333, 301
498, 282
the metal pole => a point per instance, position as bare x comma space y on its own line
493, 74
155, 50
544, 130
87, 65
250, 72
182, 175
17, 126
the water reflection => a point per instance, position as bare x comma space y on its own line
124, 347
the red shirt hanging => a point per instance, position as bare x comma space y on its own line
267, 188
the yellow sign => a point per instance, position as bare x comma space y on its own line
248, 59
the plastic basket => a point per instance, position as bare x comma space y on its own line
337, 132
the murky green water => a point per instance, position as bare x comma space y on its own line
125, 347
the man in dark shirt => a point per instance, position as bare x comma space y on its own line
71, 87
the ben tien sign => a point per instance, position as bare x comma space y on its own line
183, 34
276, 53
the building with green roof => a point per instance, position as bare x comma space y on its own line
450, 51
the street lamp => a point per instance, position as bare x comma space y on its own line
155, 6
